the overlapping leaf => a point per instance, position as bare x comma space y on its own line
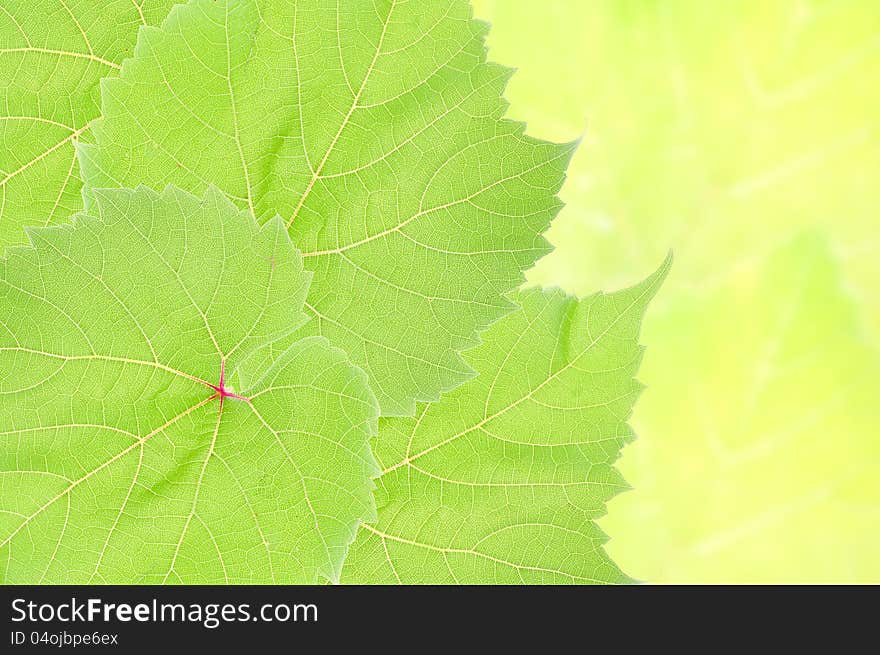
52, 55
124, 454
502, 480
374, 128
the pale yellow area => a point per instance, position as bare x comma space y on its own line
745, 137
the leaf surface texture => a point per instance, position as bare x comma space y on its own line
126, 456
53, 53
502, 480
375, 130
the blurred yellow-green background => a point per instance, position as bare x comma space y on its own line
744, 136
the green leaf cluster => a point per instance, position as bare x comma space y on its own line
258, 308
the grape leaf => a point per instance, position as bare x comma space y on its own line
52, 55
375, 129
125, 456
503, 479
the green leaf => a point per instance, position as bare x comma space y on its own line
120, 460
503, 479
52, 55
375, 130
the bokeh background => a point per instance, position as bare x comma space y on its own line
744, 136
